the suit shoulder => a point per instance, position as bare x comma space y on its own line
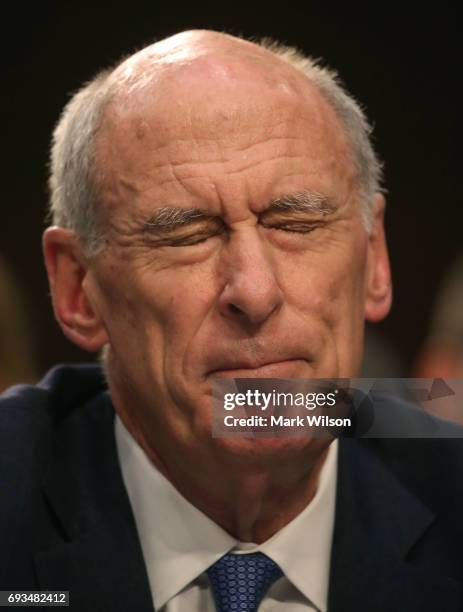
431, 467
407, 434
64, 388
30, 413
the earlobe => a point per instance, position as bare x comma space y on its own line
74, 306
378, 298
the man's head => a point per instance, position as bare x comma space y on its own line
229, 226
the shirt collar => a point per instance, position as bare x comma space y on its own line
303, 547
179, 542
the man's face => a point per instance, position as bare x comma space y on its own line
250, 286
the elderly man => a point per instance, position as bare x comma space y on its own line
217, 213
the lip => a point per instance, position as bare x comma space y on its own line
287, 368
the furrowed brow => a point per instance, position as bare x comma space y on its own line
305, 201
171, 217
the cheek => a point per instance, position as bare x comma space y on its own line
165, 310
152, 320
328, 285
178, 300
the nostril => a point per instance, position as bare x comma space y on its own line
234, 309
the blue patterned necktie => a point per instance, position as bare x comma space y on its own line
239, 582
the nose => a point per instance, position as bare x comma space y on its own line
251, 293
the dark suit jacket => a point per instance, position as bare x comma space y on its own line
66, 521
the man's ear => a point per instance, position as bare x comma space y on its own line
75, 308
378, 290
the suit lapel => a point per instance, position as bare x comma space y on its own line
99, 560
378, 521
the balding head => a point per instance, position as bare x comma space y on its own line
200, 65
215, 52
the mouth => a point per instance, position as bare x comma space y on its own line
288, 368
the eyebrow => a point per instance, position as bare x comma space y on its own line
304, 201
171, 217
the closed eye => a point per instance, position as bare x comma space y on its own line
296, 228
188, 234
200, 237
194, 239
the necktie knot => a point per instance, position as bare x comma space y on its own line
239, 582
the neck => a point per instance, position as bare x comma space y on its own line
255, 504
252, 488
251, 497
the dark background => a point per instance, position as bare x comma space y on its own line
404, 67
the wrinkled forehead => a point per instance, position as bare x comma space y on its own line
215, 111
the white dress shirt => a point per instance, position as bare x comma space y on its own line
179, 542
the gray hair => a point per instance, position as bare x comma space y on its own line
353, 119
75, 176
73, 181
